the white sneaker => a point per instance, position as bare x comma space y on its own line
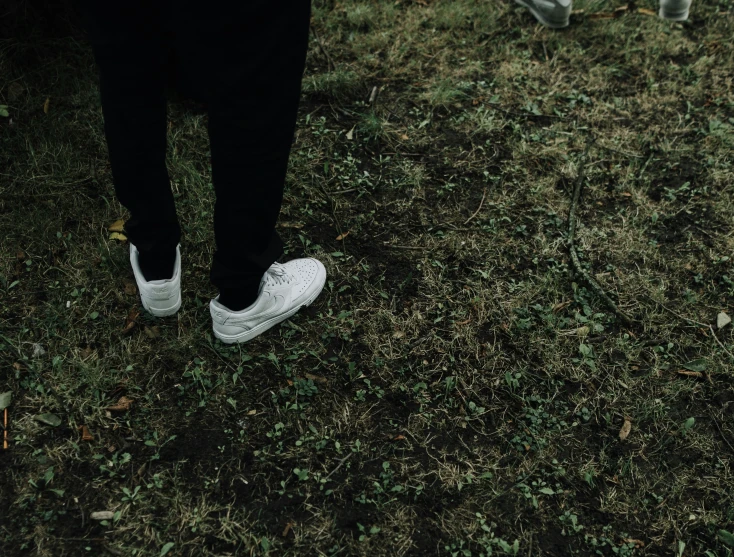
284, 290
160, 297
675, 10
551, 13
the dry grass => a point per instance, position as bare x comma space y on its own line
455, 391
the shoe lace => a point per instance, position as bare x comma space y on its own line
277, 275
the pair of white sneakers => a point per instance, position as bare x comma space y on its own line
556, 13
284, 289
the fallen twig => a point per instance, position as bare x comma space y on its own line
595, 286
474, 214
341, 463
713, 333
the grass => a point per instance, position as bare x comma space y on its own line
455, 390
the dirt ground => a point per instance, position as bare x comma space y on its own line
459, 389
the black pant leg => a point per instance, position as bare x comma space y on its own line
250, 59
131, 51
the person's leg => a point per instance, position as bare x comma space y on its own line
251, 60
130, 50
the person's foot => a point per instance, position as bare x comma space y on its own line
551, 13
284, 290
160, 297
675, 10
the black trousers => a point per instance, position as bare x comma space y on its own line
245, 61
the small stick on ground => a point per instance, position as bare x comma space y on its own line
713, 334
373, 95
329, 61
595, 286
474, 214
5, 428
678, 315
341, 463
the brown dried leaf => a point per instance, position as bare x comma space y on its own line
122, 405
689, 373
129, 287
645, 11
342, 236
46, 105
287, 528
290, 225
86, 435
398, 438
251, 412
561, 305
132, 317
626, 428
152, 332
118, 236
117, 226
317, 378
638, 543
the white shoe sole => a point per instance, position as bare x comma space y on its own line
680, 16
165, 312
265, 325
541, 18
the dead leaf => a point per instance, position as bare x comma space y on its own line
561, 305
350, 134
20, 255
398, 438
252, 412
404, 137
398, 334
131, 320
465, 322
17, 366
722, 320
689, 373
86, 352
317, 378
625, 431
342, 236
645, 11
290, 225
102, 515
129, 287
122, 405
626, 194
152, 332
638, 543
86, 436
46, 105
118, 236
117, 226
287, 528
